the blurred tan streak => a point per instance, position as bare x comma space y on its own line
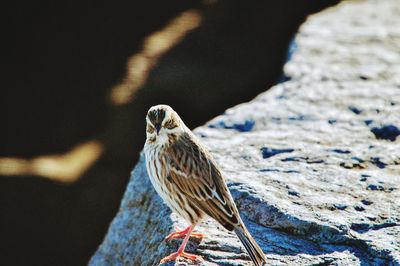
67, 167
154, 46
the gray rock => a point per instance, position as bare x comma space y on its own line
314, 184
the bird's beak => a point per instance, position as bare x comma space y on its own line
158, 127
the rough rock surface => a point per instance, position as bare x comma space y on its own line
313, 164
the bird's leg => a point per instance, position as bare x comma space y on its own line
178, 234
182, 234
181, 251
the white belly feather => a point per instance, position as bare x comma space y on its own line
158, 171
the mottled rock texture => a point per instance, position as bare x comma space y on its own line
313, 164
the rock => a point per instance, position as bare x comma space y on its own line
389, 132
341, 151
268, 152
355, 110
241, 127
366, 202
340, 206
307, 205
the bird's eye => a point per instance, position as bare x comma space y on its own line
170, 124
150, 129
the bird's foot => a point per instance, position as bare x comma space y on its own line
175, 255
182, 234
197, 235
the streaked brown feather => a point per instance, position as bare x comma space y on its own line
188, 179
196, 174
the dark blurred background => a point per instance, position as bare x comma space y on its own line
77, 80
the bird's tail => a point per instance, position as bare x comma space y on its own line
253, 249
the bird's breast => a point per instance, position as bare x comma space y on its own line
158, 170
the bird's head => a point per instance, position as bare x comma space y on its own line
163, 124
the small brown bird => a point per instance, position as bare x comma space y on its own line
188, 179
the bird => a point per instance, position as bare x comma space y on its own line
190, 182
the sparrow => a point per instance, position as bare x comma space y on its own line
190, 182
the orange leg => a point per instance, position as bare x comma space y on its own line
182, 234
181, 251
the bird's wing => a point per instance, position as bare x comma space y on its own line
195, 173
